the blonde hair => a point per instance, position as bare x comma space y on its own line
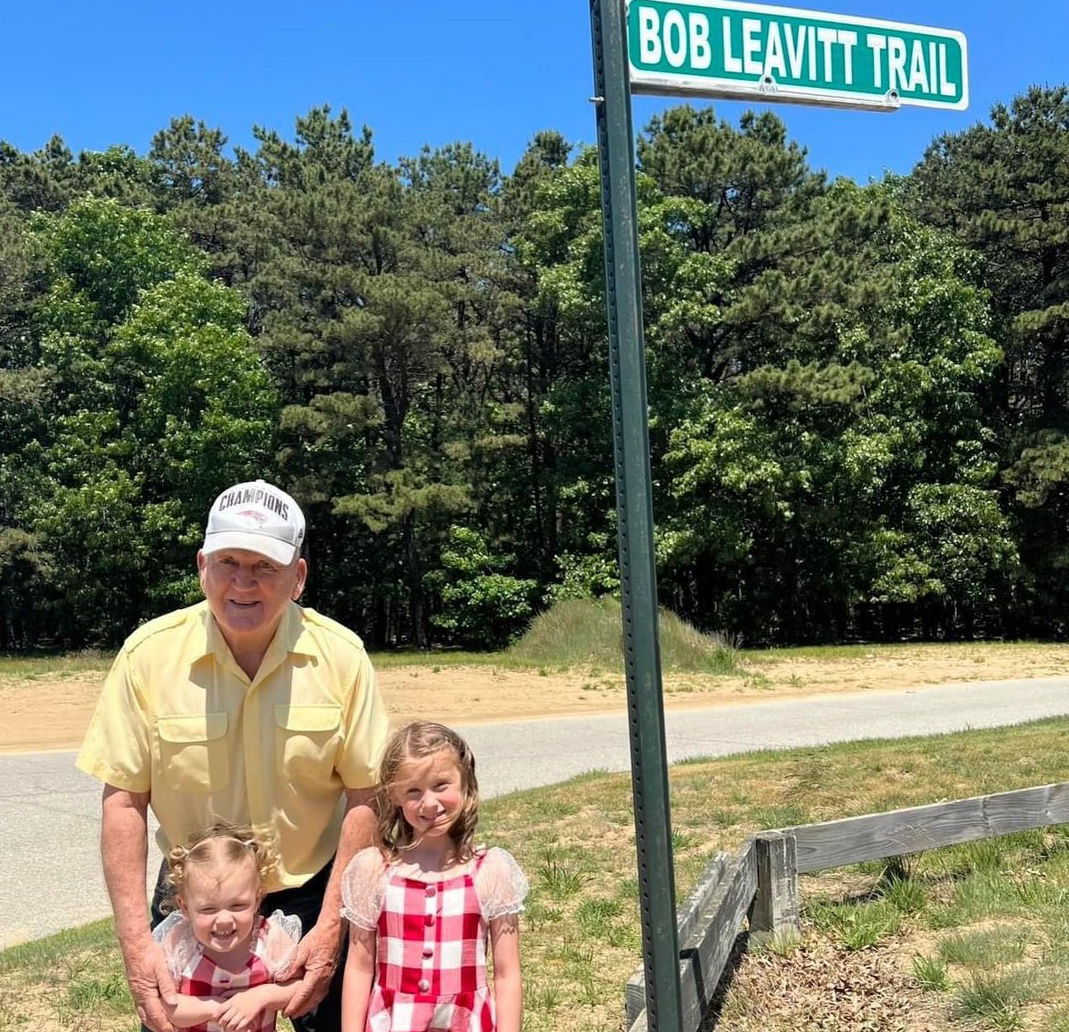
221, 843
417, 741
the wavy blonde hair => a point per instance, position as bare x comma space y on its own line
417, 741
221, 843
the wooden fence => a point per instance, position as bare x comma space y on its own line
761, 881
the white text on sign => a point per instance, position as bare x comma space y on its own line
802, 51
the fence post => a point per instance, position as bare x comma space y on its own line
775, 907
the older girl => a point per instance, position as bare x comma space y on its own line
424, 902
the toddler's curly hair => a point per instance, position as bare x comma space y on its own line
220, 843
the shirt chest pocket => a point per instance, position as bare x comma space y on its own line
306, 741
193, 753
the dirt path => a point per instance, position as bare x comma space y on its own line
51, 711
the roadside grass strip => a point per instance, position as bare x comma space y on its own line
968, 937
34, 666
70, 980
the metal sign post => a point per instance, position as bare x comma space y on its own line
634, 505
712, 48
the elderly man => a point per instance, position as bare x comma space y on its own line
247, 707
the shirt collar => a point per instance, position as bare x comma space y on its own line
291, 637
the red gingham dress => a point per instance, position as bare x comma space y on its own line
196, 974
206, 978
431, 954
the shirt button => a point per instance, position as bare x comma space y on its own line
428, 951
424, 985
429, 919
430, 890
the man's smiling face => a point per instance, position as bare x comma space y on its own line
248, 593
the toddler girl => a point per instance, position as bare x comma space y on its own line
422, 903
222, 953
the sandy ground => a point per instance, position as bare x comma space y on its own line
51, 711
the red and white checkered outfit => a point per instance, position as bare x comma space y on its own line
431, 939
196, 974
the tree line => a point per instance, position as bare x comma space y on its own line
858, 394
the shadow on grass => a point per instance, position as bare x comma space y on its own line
713, 1010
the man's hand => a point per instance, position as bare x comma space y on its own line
316, 956
314, 961
151, 985
123, 850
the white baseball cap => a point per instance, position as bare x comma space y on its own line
257, 517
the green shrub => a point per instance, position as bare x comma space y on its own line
480, 606
588, 632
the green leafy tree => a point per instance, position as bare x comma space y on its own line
1003, 189
480, 606
386, 314
802, 492
160, 402
24, 430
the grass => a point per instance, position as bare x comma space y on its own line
31, 666
980, 651
978, 934
996, 998
588, 633
993, 917
931, 973
856, 927
981, 949
906, 895
76, 976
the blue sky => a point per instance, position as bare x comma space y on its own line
421, 72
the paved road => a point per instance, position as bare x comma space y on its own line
50, 873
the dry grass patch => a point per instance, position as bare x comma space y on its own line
821, 985
834, 668
982, 928
69, 981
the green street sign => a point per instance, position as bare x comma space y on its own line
748, 51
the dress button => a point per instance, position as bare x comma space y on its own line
424, 985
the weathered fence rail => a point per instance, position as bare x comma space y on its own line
878, 835
761, 882
708, 927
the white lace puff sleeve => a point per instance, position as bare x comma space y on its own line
278, 940
180, 946
500, 884
362, 887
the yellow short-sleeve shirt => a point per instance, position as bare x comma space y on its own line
179, 719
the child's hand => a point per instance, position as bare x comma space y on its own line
241, 1010
187, 1011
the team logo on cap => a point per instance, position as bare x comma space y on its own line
252, 514
252, 493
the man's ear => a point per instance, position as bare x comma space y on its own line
302, 577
